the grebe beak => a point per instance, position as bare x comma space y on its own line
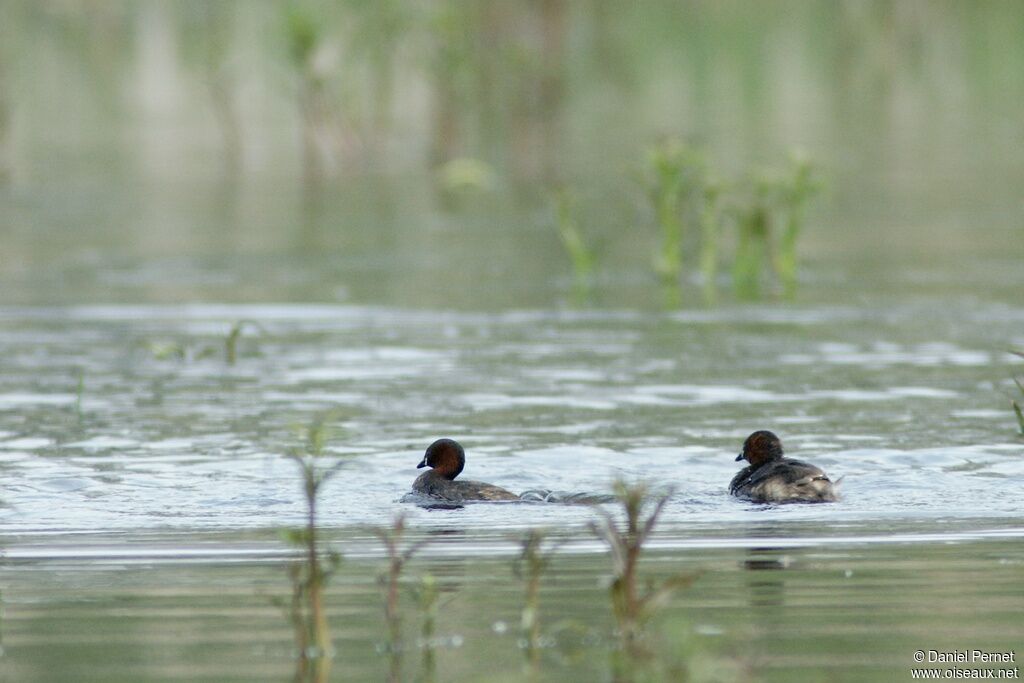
423, 462
739, 457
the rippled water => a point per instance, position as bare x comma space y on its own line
144, 483
917, 428
139, 513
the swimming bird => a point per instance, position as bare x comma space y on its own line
446, 458
773, 478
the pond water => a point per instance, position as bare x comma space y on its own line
910, 412
145, 483
141, 505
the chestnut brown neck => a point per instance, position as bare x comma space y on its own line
446, 456
761, 447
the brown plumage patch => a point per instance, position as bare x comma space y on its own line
447, 458
761, 447
773, 478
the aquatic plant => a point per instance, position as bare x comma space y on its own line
567, 224
427, 594
675, 171
398, 556
1017, 409
632, 606
302, 32
379, 28
79, 392
231, 340
312, 55
753, 216
710, 233
1017, 406
466, 176
165, 350
534, 559
162, 350
206, 47
762, 203
6, 121
682, 188
304, 36
794, 189
309, 574
451, 68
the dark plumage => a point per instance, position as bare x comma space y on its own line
447, 458
773, 478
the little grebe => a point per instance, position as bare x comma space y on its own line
447, 458
773, 478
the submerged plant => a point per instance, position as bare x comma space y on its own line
675, 171
398, 556
309, 574
530, 566
580, 254
632, 606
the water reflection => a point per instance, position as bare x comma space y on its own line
141, 596
765, 588
186, 171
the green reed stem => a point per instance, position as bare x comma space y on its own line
751, 249
533, 561
1018, 411
567, 223
1017, 408
711, 229
797, 189
398, 556
427, 595
633, 607
309, 575
669, 262
234, 334
79, 392
676, 171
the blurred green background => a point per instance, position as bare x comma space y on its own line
393, 152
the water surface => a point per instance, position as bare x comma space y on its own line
140, 511
144, 477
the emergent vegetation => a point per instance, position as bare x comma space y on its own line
632, 606
310, 573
